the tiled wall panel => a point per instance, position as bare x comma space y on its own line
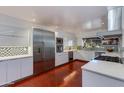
13, 51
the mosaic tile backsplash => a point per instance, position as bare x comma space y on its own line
13, 51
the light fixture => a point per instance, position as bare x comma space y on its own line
34, 20
102, 23
56, 27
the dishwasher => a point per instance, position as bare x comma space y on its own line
70, 56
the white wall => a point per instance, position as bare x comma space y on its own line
86, 34
13, 36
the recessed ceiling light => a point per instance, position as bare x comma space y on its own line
34, 20
56, 26
103, 23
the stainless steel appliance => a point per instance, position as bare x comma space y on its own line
59, 48
59, 40
114, 18
59, 45
114, 22
109, 58
70, 56
43, 50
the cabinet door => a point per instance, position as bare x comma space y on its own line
13, 70
78, 55
26, 67
61, 58
84, 55
88, 55
64, 58
3, 70
58, 60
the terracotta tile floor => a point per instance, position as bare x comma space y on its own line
68, 75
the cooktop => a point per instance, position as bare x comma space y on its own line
109, 58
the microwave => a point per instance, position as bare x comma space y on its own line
59, 40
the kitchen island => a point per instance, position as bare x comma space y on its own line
98, 73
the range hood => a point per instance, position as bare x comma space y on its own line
114, 22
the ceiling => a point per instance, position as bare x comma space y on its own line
57, 17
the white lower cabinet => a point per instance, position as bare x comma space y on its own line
61, 58
3, 72
92, 79
78, 55
26, 67
13, 70
84, 55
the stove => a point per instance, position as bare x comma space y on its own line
109, 58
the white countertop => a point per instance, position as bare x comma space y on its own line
70, 50
14, 57
111, 69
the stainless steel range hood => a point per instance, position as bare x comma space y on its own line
114, 22
114, 18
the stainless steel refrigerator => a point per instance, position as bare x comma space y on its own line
43, 50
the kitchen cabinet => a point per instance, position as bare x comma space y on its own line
92, 79
102, 74
19, 68
89, 55
61, 58
3, 72
13, 70
84, 55
26, 67
77, 55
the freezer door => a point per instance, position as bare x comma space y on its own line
49, 50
